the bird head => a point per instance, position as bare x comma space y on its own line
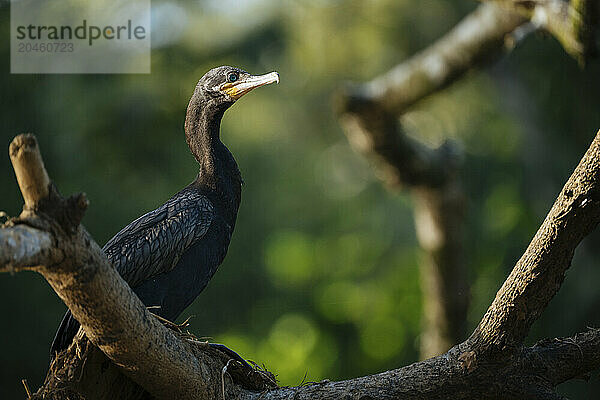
216, 91
227, 84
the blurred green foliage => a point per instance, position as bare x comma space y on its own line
321, 279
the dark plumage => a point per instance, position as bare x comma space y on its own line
168, 255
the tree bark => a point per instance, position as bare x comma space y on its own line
48, 239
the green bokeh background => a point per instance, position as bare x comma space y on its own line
321, 279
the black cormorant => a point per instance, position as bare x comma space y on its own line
168, 255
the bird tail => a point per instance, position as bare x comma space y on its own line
64, 335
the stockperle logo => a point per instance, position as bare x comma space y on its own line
80, 36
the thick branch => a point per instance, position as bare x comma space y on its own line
29, 169
459, 375
562, 359
539, 273
117, 322
112, 316
24, 247
479, 37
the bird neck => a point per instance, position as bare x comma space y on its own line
202, 132
218, 170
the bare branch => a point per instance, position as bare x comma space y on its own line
112, 316
117, 322
29, 169
562, 359
23, 247
539, 273
479, 37
369, 112
458, 374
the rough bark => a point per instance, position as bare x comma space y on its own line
457, 374
48, 239
521, 300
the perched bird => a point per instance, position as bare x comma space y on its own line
168, 255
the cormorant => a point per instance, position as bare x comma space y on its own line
168, 255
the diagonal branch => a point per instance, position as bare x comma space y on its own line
539, 273
369, 112
470, 370
478, 38
44, 238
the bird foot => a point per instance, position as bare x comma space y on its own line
232, 354
221, 347
170, 324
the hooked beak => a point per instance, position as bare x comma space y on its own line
239, 88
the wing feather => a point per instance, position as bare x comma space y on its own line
154, 243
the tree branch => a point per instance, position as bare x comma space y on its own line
534, 373
112, 316
369, 112
29, 168
24, 247
539, 273
562, 359
478, 38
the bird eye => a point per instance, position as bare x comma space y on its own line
232, 77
